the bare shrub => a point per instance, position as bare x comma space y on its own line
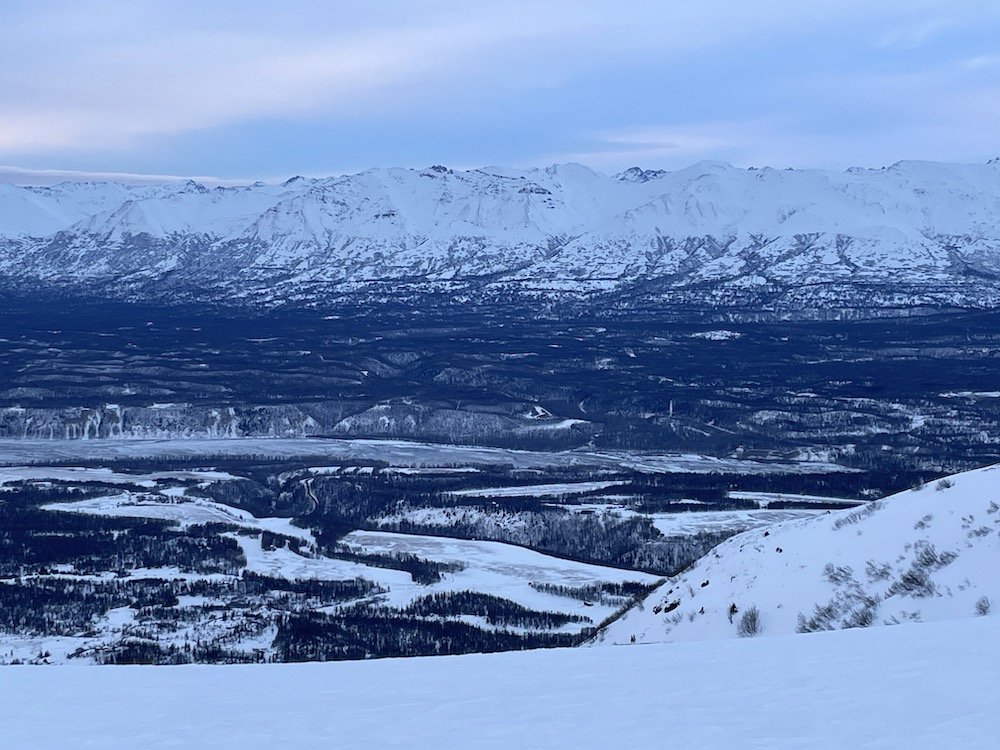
944, 484
847, 519
927, 556
983, 605
914, 582
946, 558
864, 616
838, 574
822, 618
749, 624
856, 515
876, 571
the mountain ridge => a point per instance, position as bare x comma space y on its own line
909, 234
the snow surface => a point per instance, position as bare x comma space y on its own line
921, 555
763, 499
505, 570
70, 474
168, 505
684, 521
911, 686
556, 489
399, 453
693, 522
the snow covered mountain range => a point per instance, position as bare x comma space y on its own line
915, 232
921, 555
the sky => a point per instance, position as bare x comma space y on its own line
237, 90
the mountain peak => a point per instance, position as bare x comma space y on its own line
710, 226
638, 174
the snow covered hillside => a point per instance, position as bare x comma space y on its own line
908, 687
912, 232
926, 554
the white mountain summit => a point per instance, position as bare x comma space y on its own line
915, 232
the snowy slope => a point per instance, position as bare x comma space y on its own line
921, 555
923, 686
923, 231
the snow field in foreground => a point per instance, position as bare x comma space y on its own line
911, 686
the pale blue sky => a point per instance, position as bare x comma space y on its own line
246, 90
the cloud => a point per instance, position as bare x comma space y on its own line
905, 128
83, 82
943, 106
108, 89
22, 176
914, 35
662, 146
104, 75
